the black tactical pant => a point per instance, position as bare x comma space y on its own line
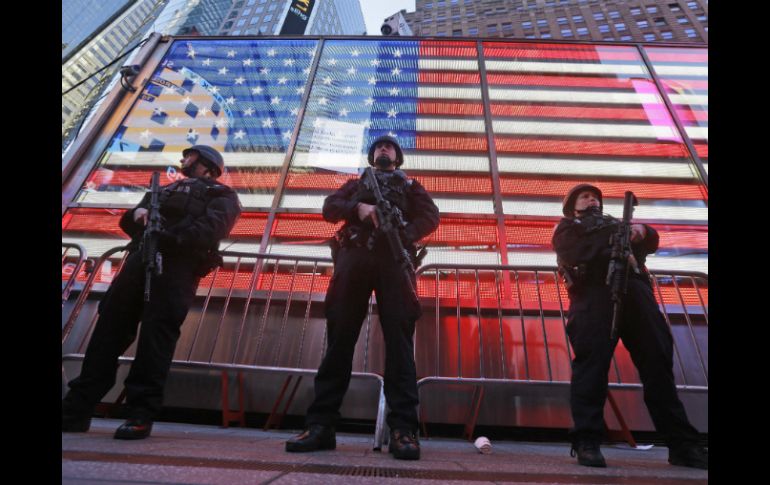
357, 272
648, 339
120, 311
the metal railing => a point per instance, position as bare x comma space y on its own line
257, 313
502, 325
482, 325
71, 266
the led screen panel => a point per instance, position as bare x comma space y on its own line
565, 114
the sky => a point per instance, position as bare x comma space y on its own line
375, 11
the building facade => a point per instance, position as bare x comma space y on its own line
85, 74
582, 20
82, 19
266, 17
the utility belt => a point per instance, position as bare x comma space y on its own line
357, 237
582, 275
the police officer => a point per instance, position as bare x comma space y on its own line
197, 212
582, 244
363, 263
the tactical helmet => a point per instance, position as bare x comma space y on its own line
209, 156
568, 206
388, 138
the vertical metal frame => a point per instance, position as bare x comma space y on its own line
492, 153
279, 189
87, 149
702, 174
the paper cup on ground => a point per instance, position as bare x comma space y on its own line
483, 445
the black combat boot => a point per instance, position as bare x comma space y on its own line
588, 454
75, 423
691, 455
134, 429
315, 437
404, 445
75, 419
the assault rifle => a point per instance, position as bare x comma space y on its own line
620, 264
390, 222
151, 257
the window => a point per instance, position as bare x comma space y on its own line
235, 32
241, 23
473, 31
507, 26
642, 24
246, 12
254, 20
491, 29
652, 9
441, 3
667, 34
625, 38
526, 25
660, 22
649, 37
238, 4
566, 32
453, 2
530, 37
582, 31
682, 20
620, 26
562, 21
545, 36
614, 14
428, 6
692, 5
674, 7
227, 25
259, 9
542, 23
690, 32
599, 16
701, 18
604, 28
234, 13
636, 11
272, 7
268, 18
577, 18
457, 33
251, 2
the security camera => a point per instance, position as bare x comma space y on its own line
127, 74
395, 25
130, 71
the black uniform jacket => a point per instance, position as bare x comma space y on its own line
420, 213
196, 214
580, 242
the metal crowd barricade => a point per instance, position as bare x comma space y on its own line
502, 325
71, 266
255, 316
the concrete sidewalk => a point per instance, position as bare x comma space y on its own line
195, 454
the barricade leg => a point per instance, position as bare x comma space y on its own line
229, 415
380, 427
278, 400
473, 412
624, 432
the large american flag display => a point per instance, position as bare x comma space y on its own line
560, 114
